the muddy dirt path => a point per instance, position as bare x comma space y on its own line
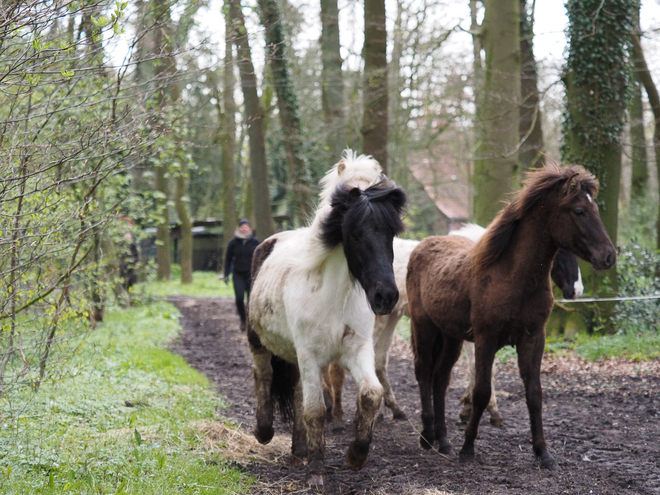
602, 422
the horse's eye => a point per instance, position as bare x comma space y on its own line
579, 212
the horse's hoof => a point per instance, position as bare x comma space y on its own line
315, 479
445, 448
466, 456
399, 415
496, 419
465, 414
548, 462
426, 441
264, 435
357, 455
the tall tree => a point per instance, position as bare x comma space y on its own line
255, 124
531, 134
640, 170
596, 80
645, 77
498, 109
228, 135
289, 110
332, 81
160, 15
374, 52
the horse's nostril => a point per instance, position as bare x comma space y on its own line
610, 259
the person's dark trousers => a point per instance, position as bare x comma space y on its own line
241, 286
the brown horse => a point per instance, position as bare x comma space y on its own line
498, 293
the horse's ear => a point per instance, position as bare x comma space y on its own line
572, 183
341, 166
397, 198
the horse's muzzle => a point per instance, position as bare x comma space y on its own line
384, 300
604, 261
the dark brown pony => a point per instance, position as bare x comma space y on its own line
498, 293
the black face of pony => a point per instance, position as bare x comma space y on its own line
365, 222
578, 228
565, 273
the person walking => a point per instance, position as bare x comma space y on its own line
239, 261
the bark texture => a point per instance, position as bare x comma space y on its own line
375, 118
332, 79
289, 109
228, 139
255, 125
531, 132
498, 109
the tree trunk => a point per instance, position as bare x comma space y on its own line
640, 170
332, 82
645, 77
531, 133
289, 109
498, 110
596, 78
255, 116
186, 226
161, 11
375, 118
228, 141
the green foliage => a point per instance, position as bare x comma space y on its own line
80, 435
638, 276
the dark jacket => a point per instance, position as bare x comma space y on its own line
239, 255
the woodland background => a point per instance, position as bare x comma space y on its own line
121, 121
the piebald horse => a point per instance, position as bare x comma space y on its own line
315, 293
498, 293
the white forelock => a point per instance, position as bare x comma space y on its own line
354, 170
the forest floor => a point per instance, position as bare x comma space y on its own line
602, 423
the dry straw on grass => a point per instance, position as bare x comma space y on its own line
233, 443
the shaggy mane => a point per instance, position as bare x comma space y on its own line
537, 185
353, 170
381, 204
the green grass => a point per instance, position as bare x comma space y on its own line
205, 284
78, 435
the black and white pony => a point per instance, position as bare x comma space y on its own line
315, 293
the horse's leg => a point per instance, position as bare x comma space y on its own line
337, 377
313, 413
466, 400
263, 379
451, 351
299, 437
484, 357
327, 393
382, 349
424, 334
495, 416
530, 353
370, 395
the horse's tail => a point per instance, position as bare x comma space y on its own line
285, 379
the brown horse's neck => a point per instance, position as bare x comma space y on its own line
531, 252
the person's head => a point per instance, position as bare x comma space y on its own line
244, 227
